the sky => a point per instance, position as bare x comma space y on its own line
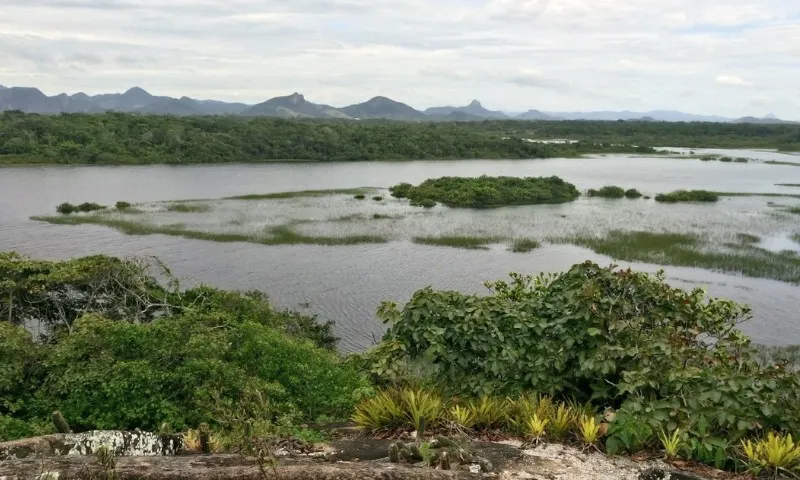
723, 57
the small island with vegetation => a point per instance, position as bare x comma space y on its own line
688, 196
487, 192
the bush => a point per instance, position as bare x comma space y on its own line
122, 205
610, 191
111, 375
360, 197
484, 192
663, 357
424, 203
377, 198
19, 360
89, 207
687, 196
632, 193
66, 208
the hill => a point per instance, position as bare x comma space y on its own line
382, 107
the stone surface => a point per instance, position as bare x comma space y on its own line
215, 467
121, 444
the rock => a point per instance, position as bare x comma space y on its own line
215, 467
120, 443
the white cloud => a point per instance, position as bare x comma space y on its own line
511, 54
733, 80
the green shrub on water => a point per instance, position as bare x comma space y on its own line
524, 245
747, 238
360, 196
401, 190
68, 208
487, 192
609, 191
726, 159
425, 203
377, 198
633, 193
122, 205
189, 207
687, 196
465, 241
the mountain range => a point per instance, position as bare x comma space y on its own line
138, 100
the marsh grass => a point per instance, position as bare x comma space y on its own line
188, 207
793, 210
456, 241
382, 216
278, 235
687, 196
776, 162
304, 193
788, 184
748, 194
748, 238
524, 245
687, 250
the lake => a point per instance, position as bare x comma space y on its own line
347, 283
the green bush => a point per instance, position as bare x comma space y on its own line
66, 208
19, 360
89, 207
687, 196
401, 190
109, 375
621, 339
122, 205
632, 193
484, 192
424, 203
360, 196
609, 191
377, 198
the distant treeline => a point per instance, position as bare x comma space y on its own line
117, 138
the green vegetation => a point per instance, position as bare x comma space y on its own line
126, 351
788, 164
691, 251
303, 193
609, 191
542, 356
794, 210
687, 196
278, 235
632, 193
377, 198
360, 196
524, 245
487, 192
183, 207
788, 184
68, 208
762, 194
472, 243
748, 238
122, 205
118, 138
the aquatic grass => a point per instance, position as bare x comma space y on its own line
685, 250
278, 235
777, 162
793, 210
796, 237
687, 196
456, 241
188, 207
381, 216
748, 238
524, 245
760, 194
304, 193
788, 184
609, 191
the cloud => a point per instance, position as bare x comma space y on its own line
557, 55
732, 80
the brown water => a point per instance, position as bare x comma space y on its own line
346, 284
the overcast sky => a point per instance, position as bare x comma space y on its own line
727, 57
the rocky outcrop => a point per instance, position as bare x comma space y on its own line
78, 444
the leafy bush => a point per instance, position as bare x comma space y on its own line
107, 374
610, 191
66, 208
484, 191
687, 196
377, 198
661, 356
632, 193
424, 203
360, 196
401, 190
19, 360
122, 205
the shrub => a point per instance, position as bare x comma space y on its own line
360, 196
632, 193
66, 208
425, 203
610, 191
377, 198
122, 205
726, 159
89, 207
381, 412
19, 371
484, 191
776, 454
401, 190
687, 196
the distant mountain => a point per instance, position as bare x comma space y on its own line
766, 120
382, 107
474, 109
293, 106
536, 115
657, 115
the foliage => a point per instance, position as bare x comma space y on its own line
535, 427
775, 454
687, 196
662, 357
489, 412
672, 443
377, 198
381, 412
68, 208
561, 421
187, 207
119, 138
422, 408
466, 242
589, 430
524, 245
632, 193
485, 191
610, 191
401, 190
463, 417
122, 205
360, 196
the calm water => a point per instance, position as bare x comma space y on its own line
346, 284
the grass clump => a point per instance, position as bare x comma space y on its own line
777, 162
383, 216
424, 203
609, 191
468, 242
302, 193
788, 184
377, 198
687, 196
189, 207
686, 250
747, 238
524, 245
360, 196
632, 193
794, 210
122, 205
487, 192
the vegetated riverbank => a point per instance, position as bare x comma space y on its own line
565, 358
